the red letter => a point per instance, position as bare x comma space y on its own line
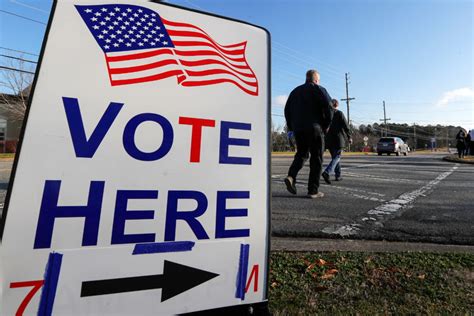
196, 133
253, 274
36, 286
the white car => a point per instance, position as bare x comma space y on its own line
389, 145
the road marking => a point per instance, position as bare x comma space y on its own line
389, 208
360, 194
378, 178
349, 166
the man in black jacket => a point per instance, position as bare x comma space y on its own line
308, 114
336, 141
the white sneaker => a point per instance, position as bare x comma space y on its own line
316, 195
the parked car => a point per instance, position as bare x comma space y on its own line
389, 145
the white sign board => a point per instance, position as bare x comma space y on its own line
145, 283
148, 124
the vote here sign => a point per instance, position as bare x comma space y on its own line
148, 124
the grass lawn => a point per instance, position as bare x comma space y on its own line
7, 156
346, 283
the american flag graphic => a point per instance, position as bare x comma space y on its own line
141, 46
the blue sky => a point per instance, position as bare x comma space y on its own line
417, 55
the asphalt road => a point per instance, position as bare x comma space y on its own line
415, 198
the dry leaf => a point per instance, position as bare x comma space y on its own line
421, 277
310, 267
327, 276
321, 262
332, 271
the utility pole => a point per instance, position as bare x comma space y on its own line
414, 136
347, 99
447, 138
385, 119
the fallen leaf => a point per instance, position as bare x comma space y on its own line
321, 262
274, 284
310, 267
332, 271
421, 277
327, 276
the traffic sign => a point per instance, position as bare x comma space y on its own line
148, 124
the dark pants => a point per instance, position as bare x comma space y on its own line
309, 141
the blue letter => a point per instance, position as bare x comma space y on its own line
121, 215
50, 210
83, 147
223, 212
129, 137
172, 214
226, 141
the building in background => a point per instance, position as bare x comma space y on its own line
10, 122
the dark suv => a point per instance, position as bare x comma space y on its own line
388, 145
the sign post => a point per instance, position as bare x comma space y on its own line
143, 174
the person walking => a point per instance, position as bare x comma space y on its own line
308, 115
461, 142
335, 142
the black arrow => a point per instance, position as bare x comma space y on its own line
176, 279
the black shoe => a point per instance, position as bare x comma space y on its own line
326, 177
290, 185
339, 179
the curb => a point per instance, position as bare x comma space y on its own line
457, 160
329, 245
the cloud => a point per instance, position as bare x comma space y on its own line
280, 100
456, 95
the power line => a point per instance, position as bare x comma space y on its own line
194, 5
411, 102
18, 51
330, 73
329, 66
29, 6
334, 69
21, 16
19, 70
296, 77
18, 58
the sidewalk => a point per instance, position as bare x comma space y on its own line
316, 244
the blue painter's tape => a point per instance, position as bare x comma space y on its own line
157, 247
243, 270
51, 278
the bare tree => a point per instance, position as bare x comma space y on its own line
15, 80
